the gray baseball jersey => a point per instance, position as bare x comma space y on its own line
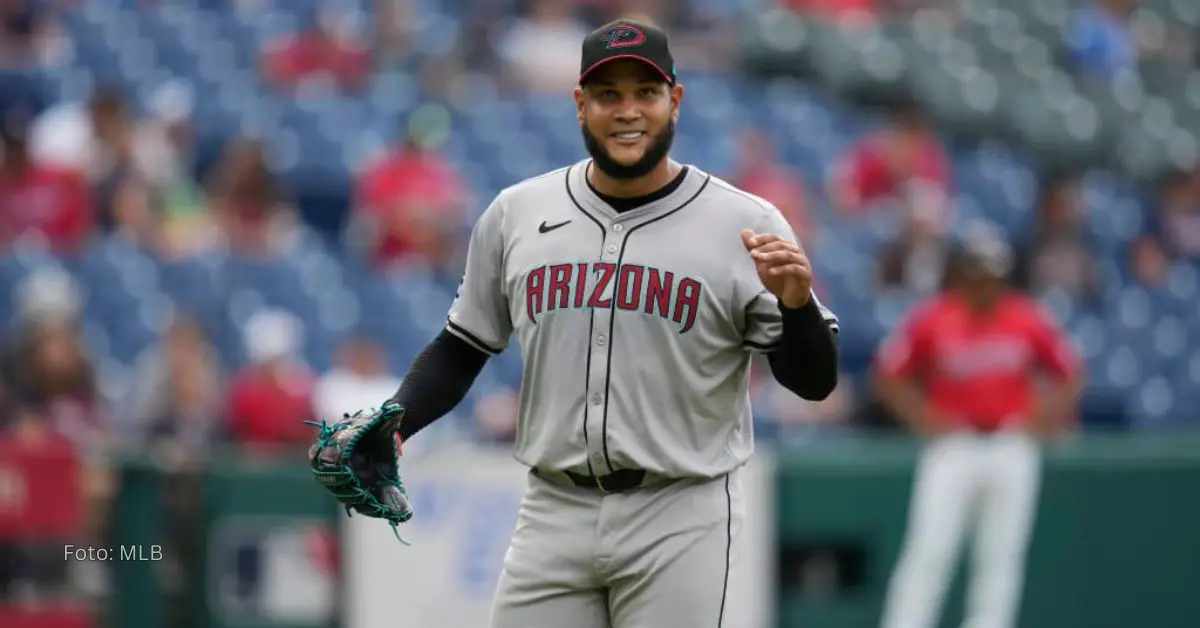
636, 329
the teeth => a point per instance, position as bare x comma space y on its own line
631, 135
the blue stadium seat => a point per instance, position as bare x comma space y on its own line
1121, 368
1090, 334
1155, 404
1183, 286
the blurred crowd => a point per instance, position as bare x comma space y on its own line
73, 173
103, 168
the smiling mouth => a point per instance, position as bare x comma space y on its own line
628, 135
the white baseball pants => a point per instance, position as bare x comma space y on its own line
986, 482
650, 558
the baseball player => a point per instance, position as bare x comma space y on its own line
965, 374
637, 289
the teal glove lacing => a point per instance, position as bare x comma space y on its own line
345, 486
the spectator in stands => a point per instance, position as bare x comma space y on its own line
395, 25
249, 201
1149, 265
1175, 222
37, 200
165, 139
123, 197
56, 391
1100, 39
760, 173
99, 142
175, 401
1058, 255
327, 52
132, 213
479, 32
271, 397
46, 294
410, 204
84, 138
361, 373
47, 302
541, 50
27, 32
916, 260
54, 381
1104, 40
166, 157
903, 163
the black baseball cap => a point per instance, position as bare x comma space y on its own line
627, 39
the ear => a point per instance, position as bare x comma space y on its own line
579, 103
676, 100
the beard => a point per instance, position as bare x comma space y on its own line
660, 146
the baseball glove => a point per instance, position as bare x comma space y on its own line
357, 460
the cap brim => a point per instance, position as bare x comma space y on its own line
599, 64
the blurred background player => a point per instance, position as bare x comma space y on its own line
983, 375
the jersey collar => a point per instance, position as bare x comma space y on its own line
594, 206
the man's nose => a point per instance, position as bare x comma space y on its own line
628, 112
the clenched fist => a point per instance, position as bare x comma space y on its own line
782, 266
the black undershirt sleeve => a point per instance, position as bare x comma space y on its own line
806, 359
437, 381
805, 362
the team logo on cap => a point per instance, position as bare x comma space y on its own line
623, 36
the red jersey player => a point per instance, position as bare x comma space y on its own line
983, 374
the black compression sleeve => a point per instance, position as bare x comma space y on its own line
806, 359
437, 381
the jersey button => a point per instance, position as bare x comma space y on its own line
597, 399
618, 228
612, 248
599, 341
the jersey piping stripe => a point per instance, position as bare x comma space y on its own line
587, 369
728, 550
828, 316
471, 338
750, 344
612, 319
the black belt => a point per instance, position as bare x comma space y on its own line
615, 482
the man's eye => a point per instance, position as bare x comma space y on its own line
647, 92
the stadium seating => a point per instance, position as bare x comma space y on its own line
1137, 341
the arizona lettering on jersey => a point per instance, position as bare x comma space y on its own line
636, 328
632, 288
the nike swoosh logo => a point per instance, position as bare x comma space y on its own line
545, 228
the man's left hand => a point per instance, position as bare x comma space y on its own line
782, 266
